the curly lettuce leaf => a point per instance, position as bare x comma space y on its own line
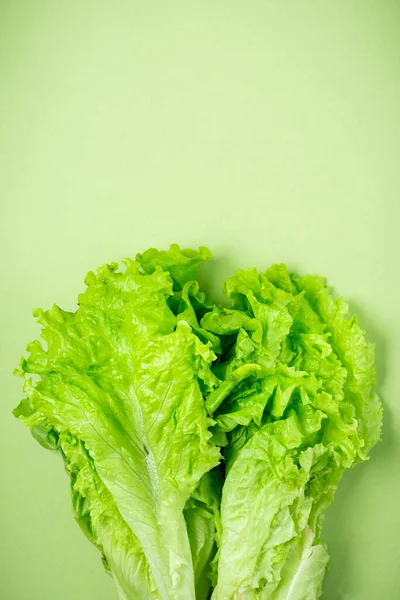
122, 376
181, 264
293, 426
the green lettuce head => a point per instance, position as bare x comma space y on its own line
203, 442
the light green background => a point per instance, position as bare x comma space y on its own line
269, 131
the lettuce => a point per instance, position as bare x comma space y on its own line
120, 381
203, 442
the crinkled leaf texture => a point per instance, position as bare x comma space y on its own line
203, 442
119, 387
303, 413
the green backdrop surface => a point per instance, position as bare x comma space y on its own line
269, 131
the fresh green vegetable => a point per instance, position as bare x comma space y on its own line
203, 442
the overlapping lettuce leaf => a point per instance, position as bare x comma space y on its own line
119, 388
296, 403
